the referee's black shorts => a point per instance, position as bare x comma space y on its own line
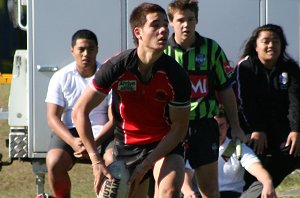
203, 142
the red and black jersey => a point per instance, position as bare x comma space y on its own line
141, 108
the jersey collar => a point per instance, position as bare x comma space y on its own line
198, 42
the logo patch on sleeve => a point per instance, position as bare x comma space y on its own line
228, 68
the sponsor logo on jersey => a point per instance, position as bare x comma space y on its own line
127, 85
199, 86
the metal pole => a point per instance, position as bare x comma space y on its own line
263, 12
123, 24
267, 12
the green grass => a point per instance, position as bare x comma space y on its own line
290, 183
18, 179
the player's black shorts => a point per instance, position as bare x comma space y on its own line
202, 142
133, 155
57, 142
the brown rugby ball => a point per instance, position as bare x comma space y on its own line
117, 188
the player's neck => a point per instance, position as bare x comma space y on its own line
145, 71
147, 58
86, 72
186, 42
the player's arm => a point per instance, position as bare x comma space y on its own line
230, 105
86, 102
84, 105
54, 113
257, 170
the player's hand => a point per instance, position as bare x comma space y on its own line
100, 171
77, 144
293, 141
237, 133
268, 191
259, 142
81, 153
79, 149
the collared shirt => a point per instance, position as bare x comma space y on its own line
141, 108
208, 69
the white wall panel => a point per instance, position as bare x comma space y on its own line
51, 25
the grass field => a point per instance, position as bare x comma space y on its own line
18, 179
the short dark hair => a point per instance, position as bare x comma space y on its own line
138, 16
176, 5
84, 34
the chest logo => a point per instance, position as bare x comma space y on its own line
283, 80
199, 86
200, 59
127, 85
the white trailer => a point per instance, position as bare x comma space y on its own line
51, 23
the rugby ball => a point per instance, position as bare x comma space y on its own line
119, 187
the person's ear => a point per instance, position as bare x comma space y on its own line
137, 33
